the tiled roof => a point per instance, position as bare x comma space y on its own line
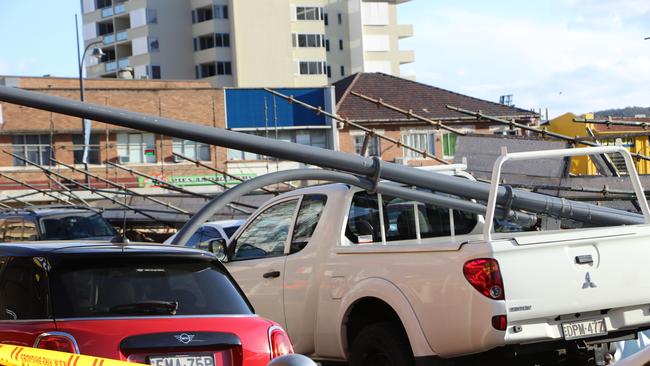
425, 100
621, 128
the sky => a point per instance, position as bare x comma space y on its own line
562, 55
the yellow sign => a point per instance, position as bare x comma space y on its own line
27, 356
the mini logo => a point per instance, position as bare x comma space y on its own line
588, 283
184, 338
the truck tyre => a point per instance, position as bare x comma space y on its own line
381, 344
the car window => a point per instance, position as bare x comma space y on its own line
78, 225
195, 239
267, 235
308, 216
363, 219
18, 229
230, 231
209, 233
23, 289
143, 285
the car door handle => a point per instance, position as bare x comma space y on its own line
272, 274
584, 259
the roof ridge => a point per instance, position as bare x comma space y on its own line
348, 89
451, 92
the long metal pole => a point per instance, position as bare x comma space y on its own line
536, 130
612, 122
516, 199
124, 188
407, 113
319, 110
25, 184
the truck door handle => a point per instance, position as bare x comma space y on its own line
272, 274
584, 259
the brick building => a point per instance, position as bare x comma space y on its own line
37, 135
424, 100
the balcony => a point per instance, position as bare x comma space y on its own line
120, 8
404, 30
117, 64
122, 63
406, 56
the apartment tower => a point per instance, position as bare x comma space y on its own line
245, 43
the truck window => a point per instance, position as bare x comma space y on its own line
308, 216
18, 229
402, 219
267, 235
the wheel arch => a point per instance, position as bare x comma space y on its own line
379, 294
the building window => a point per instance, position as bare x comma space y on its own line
155, 72
35, 148
312, 67
325, 19
191, 149
224, 68
340, 18
154, 45
308, 40
327, 45
136, 147
340, 44
152, 16
103, 4
373, 148
222, 40
78, 149
309, 13
221, 11
204, 42
311, 137
342, 70
421, 140
206, 70
202, 14
104, 28
329, 71
449, 144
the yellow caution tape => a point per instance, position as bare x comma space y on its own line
27, 356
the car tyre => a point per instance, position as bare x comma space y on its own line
381, 344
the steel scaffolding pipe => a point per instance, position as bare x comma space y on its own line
217, 203
515, 199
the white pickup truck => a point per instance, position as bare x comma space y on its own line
372, 279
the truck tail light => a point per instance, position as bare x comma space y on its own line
279, 342
57, 341
485, 276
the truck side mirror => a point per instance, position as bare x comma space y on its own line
219, 248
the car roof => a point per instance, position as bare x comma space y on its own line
46, 211
45, 248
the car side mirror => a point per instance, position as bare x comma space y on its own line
218, 247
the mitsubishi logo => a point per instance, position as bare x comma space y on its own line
184, 338
588, 283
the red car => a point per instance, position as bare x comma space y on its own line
155, 304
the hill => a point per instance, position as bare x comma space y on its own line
624, 112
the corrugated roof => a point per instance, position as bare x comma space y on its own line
425, 100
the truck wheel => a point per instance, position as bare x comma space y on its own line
381, 344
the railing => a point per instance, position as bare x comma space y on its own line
122, 63
109, 38
107, 12
120, 8
122, 35
111, 66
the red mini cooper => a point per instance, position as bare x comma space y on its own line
154, 304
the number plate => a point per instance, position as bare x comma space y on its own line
584, 328
182, 360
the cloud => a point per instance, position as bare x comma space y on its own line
565, 63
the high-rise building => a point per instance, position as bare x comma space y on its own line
245, 43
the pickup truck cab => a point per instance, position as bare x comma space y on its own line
373, 279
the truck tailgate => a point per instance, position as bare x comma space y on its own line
547, 275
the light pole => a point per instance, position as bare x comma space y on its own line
85, 123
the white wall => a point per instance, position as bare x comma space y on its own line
374, 13
376, 43
138, 17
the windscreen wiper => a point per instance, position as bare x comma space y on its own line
146, 308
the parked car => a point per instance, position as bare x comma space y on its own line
148, 303
222, 229
54, 223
